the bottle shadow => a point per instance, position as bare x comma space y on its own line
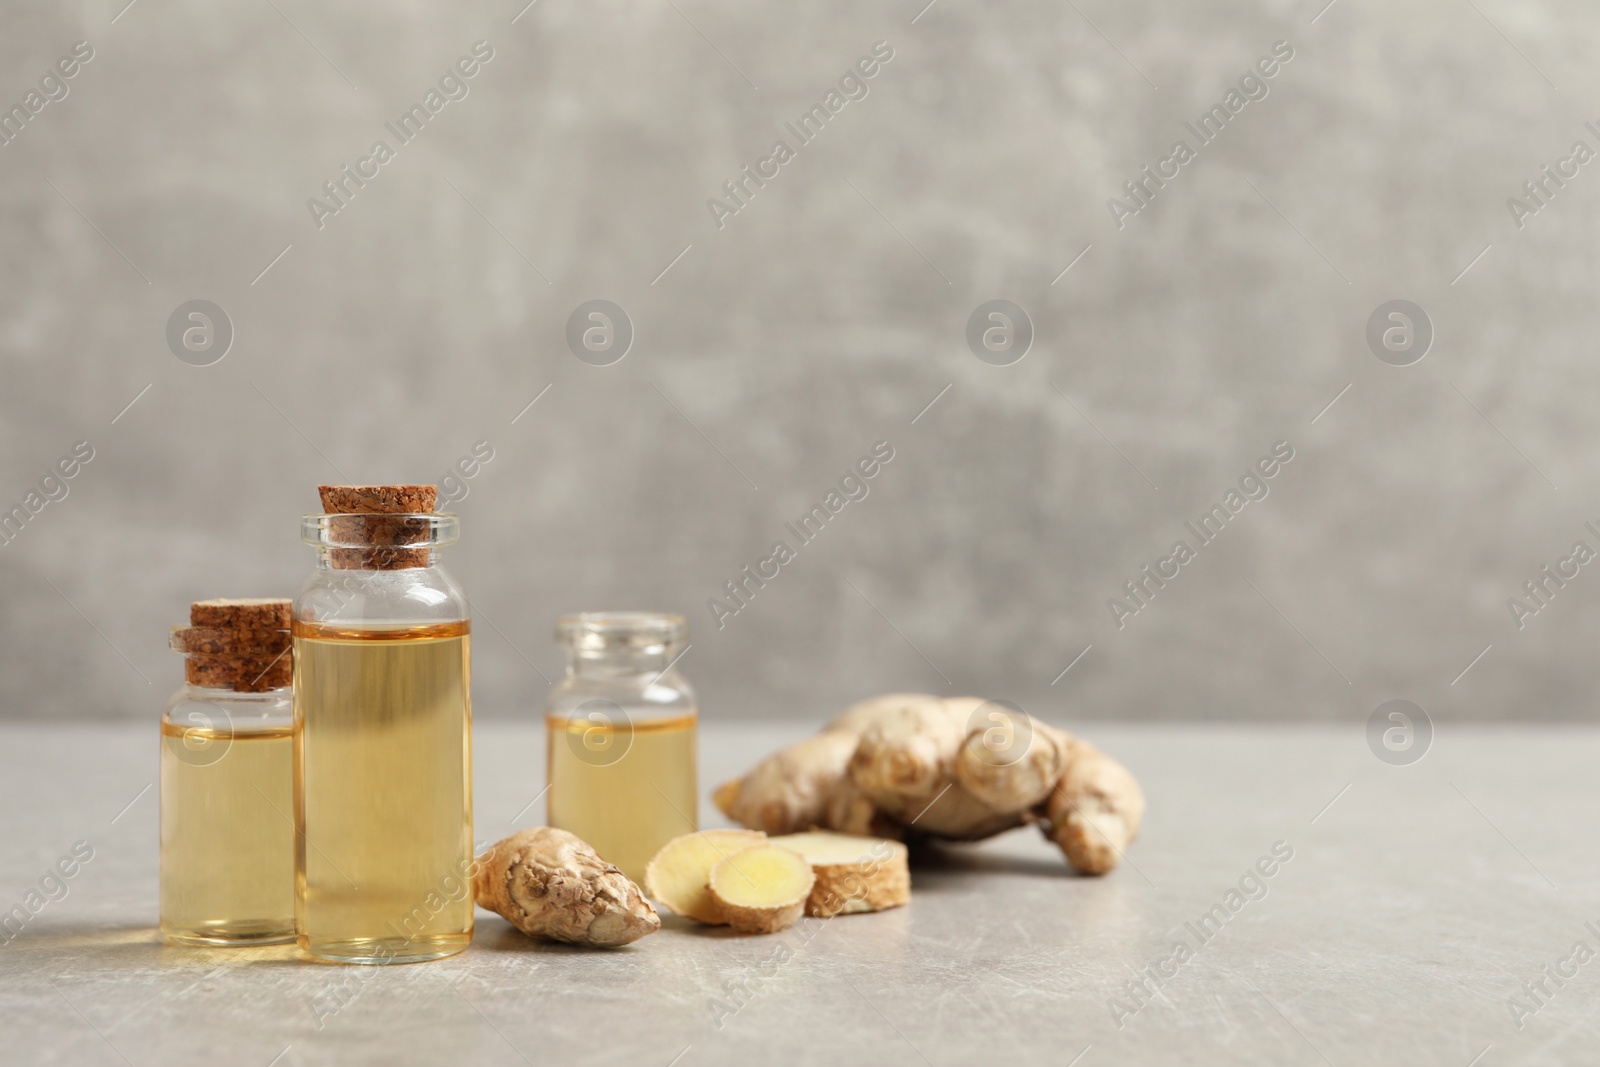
136, 945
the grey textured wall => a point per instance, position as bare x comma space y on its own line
823, 317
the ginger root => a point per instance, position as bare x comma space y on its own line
958, 768
1095, 810
853, 873
808, 784
791, 788
762, 889
549, 883
679, 875
1005, 783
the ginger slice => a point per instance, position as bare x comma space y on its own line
678, 875
853, 874
762, 889
550, 883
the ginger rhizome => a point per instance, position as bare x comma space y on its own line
680, 874
852, 873
847, 874
957, 768
549, 883
762, 889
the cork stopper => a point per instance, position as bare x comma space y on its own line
200, 640
238, 644
378, 499
371, 508
249, 613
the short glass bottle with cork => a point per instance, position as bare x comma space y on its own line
227, 823
382, 732
620, 736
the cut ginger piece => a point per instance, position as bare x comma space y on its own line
853, 874
679, 875
762, 889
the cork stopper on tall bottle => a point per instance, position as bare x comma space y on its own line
379, 522
239, 644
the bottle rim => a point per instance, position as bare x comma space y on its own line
382, 530
608, 631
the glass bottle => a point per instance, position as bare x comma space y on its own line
227, 829
620, 736
382, 743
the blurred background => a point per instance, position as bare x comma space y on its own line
775, 345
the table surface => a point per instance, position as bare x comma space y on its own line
1417, 903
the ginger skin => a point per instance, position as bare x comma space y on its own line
853, 873
1095, 810
680, 873
808, 784
959, 768
791, 788
762, 889
551, 884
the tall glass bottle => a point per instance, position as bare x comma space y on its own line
620, 736
382, 743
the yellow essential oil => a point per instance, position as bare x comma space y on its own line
227, 834
626, 787
382, 793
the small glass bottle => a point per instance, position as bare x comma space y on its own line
227, 828
620, 736
382, 735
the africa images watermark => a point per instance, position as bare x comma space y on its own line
453, 486
1252, 888
741, 992
1551, 579
453, 85
1540, 190
1537, 992
1399, 732
1142, 589
852, 487
53, 89
852, 86
53, 887
453, 887
52, 487
1142, 189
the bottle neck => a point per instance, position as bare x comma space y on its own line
376, 560
226, 693
620, 663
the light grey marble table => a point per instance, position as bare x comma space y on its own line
1418, 902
